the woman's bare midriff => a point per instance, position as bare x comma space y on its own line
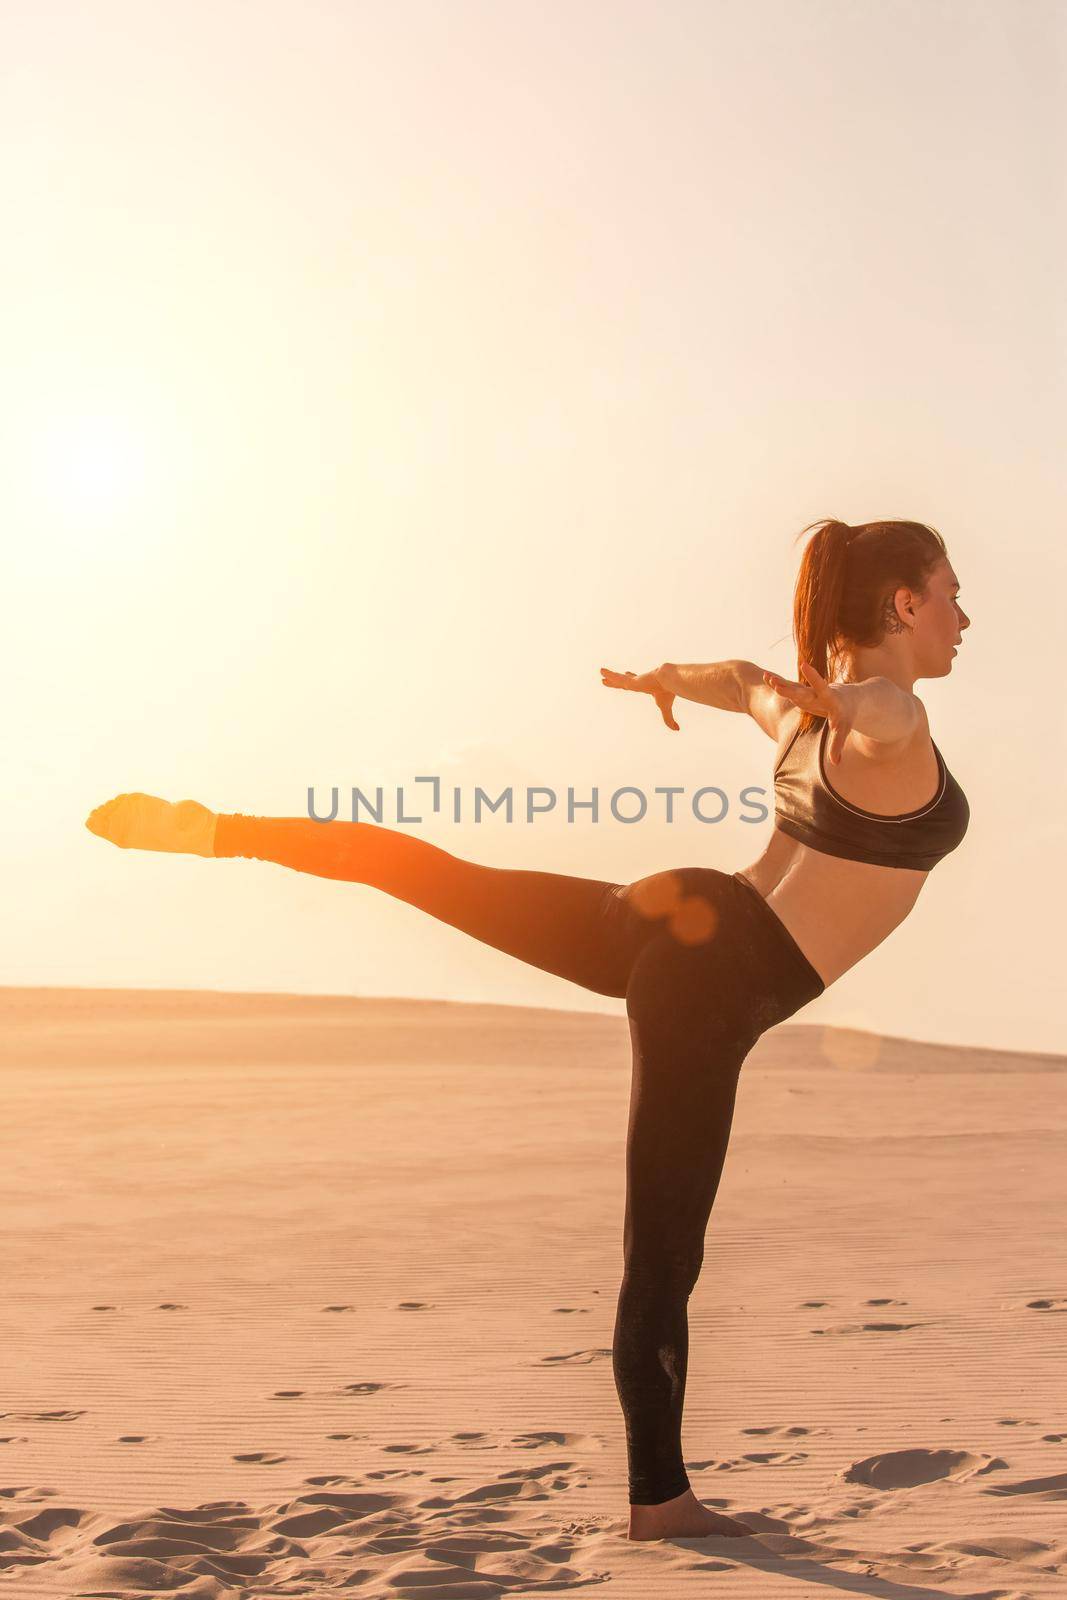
838, 911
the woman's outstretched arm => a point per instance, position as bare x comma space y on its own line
711, 683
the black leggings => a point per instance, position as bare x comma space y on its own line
705, 968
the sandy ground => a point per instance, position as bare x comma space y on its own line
305, 1295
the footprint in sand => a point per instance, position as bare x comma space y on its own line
549, 1436
171, 1305
813, 1305
41, 1416
410, 1449
1059, 1304
368, 1388
775, 1458
338, 1308
870, 1327
134, 1438
885, 1302
264, 1457
288, 1394
578, 1357
414, 1305
758, 1458
1017, 1422
1053, 1438
519, 1483
472, 1440
104, 1308
571, 1311
44, 1524
795, 1430
906, 1469
537, 1439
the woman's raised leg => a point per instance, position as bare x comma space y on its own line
576, 928
582, 929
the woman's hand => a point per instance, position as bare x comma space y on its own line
822, 699
643, 683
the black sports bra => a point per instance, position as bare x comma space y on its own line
806, 808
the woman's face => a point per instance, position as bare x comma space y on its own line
939, 623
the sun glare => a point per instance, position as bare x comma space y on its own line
93, 465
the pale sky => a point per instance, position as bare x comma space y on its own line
373, 374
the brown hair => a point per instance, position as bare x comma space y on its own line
846, 584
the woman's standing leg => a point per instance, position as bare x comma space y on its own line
687, 1056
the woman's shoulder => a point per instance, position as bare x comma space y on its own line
917, 742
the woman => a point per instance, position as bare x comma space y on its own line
706, 961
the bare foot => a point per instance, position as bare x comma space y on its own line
683, 1518
144, 822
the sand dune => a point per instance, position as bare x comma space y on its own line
316, 1294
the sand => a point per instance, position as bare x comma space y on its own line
305, 1295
